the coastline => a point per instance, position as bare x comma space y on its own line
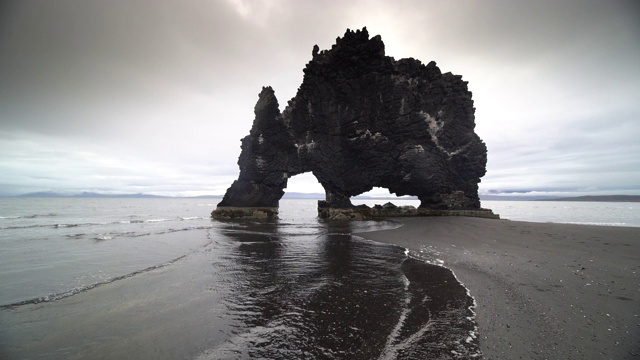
543, 290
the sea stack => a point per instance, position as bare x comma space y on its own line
359, 120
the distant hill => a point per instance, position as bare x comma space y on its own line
297, 195
98, 195
600, 198
50, 194
86, 194
517, 198
43, 194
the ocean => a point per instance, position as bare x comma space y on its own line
157, 278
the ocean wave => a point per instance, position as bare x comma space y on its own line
183, 229
180, 218
71, 225
80, 289
66, 225
32, 216
83, 288
76, 236
55, 226
127, 234
40, 215
394, 345
472, 337
134, 234
107, 236
193, 218
119, 222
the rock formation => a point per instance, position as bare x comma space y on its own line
360, 120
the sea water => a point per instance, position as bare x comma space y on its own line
157, 278
569, 212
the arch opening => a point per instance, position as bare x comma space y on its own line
304, 186
380, 196
300, 198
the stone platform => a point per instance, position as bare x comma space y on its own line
364, 212
235, 212
361, 212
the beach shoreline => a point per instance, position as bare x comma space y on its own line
543, 290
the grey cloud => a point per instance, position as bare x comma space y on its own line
74, 54
523, 30
165, 89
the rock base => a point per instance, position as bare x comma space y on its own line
389, 210
233, 212
361, 212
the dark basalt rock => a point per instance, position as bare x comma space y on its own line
360, 120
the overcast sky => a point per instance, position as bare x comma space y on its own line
154, 96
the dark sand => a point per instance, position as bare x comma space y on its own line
543, 291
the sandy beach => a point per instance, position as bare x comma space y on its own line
543, 290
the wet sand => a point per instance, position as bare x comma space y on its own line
258, 291
543, 291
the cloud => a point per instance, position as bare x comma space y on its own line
154, 96
34, 163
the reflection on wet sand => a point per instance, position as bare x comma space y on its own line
332, 295
272, 290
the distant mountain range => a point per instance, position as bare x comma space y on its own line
599, 198
586, 198
319, 196
517, 198
53, 194
287, 195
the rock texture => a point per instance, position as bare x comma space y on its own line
360, 120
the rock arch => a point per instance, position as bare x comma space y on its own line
360, 120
